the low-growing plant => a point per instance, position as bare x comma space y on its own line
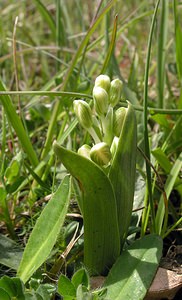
104, 187
91, 167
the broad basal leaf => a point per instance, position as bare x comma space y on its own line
132, 274
45, 232
101, 235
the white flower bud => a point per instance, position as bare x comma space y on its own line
115, 91
100, 100
114, 145
101, 154
84, 151
83, 113
103, 81
118, 120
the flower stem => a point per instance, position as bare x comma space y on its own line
95, 137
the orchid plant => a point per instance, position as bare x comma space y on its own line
105, 171
103, 180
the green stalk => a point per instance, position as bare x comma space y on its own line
172, 228
178, 44
178, 36
58, 31
110, 45
107, 126
169, 184
161, 53
3, 143
145, 115
150, 110
145, 215
94, 135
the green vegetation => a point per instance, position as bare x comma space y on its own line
90, 146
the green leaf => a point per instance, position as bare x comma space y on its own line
82, 293
80, 277
162, 159
7, 284
3, 194
161, 120
123, 171
13, 287
101, 235
50, 288
4, 294
66, 287
33, 296
44, 234
11, 188
12, 171
43, 291
19, 288
132, 274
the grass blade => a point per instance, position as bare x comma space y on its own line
178, 40
60, 30
168, 189
46, 16
18, 127
110, 48
145, 118
161, 53
178, 36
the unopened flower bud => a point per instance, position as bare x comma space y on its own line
83, 113
100, 100
115, 91
114, 145
103, 81
101, 154
118, 120
84, 151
